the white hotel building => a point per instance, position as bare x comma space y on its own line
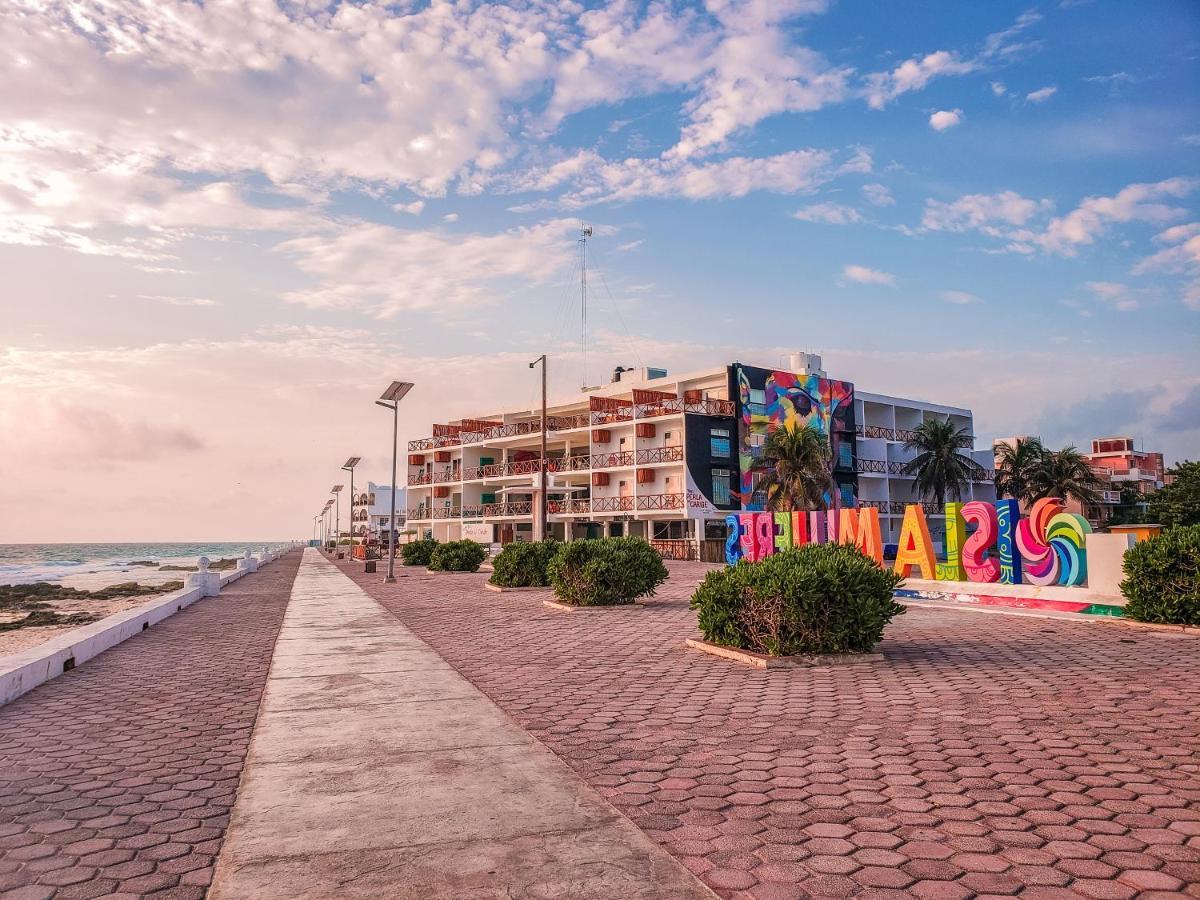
655, 455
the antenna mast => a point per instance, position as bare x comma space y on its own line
584, 234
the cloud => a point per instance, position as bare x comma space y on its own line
1118, 296
945, 118
382, 271
998, 88
1041, 95
913, 75
180, 301
830, 213
1182, 258
1135, 203
414, 208
980, 211
863, 275
959, 298
628, 246
450, 217
878, 195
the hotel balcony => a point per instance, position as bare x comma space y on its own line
654, 455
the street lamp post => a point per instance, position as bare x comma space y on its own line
390, 399
336, 490
349, 467
542, 504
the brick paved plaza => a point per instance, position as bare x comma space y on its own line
118, 777
986, 755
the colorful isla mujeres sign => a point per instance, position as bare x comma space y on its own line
1049, 546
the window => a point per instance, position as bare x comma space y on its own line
720, 486
718, 443
667, 438
758, 395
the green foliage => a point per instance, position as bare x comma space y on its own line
1066, 474
819, 598
1015, 465
939, 467
1131, 510
418, 553
605, 571
457, 556
798, 463
1178, 503
524, 564
1162, 578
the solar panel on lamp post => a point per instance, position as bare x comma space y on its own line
390, 399
348, 466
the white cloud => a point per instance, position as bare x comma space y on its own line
830, 213
413, 209
998, 88
180, 301
1119, 296
450, 217
878, 195
945, 118
628, 246
959, 298
1135, 203
863, 275
982, 211
382, 271
1183, 258
912, 75
1041, 95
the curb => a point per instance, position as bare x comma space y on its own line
567, 607
488, 586
763, 661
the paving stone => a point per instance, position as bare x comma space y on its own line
107, 752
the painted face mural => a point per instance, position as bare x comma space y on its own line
985, 542
789, 400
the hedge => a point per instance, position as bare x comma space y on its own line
457, 556
524, 564
606, 571
1162, 578
820, 598
418, 553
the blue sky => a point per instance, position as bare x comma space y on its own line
223, 226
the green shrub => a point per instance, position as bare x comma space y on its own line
605, 571
418, 553
523, 564
457, 556
820, 598
1162, 578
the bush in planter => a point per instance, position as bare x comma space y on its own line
1162, 578
820, 598
418, 553
605, 571
457, 556
523, 564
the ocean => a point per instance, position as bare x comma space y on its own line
90, 566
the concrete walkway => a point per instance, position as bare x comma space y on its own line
376, 770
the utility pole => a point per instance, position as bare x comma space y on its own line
542, 502
390, 399
584, 234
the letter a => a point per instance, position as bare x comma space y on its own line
915, 547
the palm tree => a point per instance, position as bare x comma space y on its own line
1064, 473
1015, 465
799, 468
939, 467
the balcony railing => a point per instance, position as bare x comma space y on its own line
675, 549
904, 434
447, 512
570, 464
512, 429
562, 423
612, 504
568, 507
511, 508
421, 478
876, 431
871, 465
658, 455
434, 443
612, 460
660, 501
599, 417
881, 505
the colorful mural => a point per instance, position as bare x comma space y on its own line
769, 399
984, 542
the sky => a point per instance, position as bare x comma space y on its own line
226, 227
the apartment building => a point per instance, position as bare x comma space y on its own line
653, 455
884, 425
371, 512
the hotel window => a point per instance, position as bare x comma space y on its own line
720, 486
758, 395
718, 443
